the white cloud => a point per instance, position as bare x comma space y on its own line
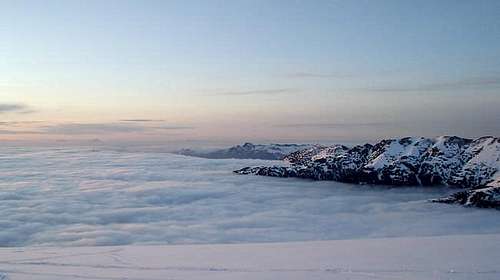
15, 108
258, 92
83, 197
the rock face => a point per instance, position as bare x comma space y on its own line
249, 151
446, 160
488, 197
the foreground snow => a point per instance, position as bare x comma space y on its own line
448, 257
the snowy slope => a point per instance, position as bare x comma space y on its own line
248, 151
448, 257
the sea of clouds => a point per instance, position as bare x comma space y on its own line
81, 197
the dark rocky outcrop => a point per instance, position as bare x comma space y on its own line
488, 197
447, 160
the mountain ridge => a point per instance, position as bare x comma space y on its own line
248, 151
471, 164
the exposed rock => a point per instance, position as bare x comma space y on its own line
487, 197
304, 155
482, 161
481, 172
446, 160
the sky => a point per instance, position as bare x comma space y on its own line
234, 71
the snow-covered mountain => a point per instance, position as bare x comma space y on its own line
446, 160
248, 151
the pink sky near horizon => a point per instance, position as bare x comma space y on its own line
261, 71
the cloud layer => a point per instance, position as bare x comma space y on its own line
258, 92
15, 108
468, 84
126, 126
87, 197
332, 125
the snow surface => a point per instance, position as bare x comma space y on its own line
449, 257
82, 197
485, 160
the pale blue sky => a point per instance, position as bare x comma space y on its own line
249, 70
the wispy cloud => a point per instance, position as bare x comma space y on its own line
30, 127
451, 85
19, 127
18, 123
312, 75
172, 127
91, 128
15, 108
331, 125
141, 120
258, 92
99, 128
17, 132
